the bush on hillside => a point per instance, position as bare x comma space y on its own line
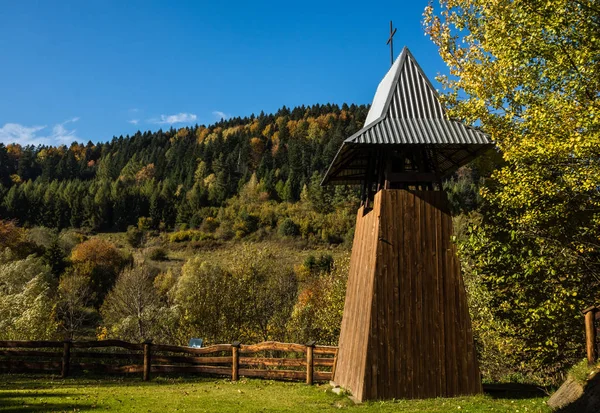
288, 228
158, 254
134, 236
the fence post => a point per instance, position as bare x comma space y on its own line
66, 358
147, 359
235, 361
590, 334
335, 357
310, 346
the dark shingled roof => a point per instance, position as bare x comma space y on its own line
406, 111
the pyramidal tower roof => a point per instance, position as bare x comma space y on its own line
405, 92
406, 110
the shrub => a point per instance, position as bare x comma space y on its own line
225, 231
209, 225
69, 240
26, 303
132, 307
74, 297
41, 236
134, 236
288, 228
249, 300
11, 235
190, 235
245, 224
196, 221
15, 238
145, 223
158, 254
322, 264
180, 236
317, 314
99, 260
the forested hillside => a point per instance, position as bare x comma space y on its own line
229, 236
174, 177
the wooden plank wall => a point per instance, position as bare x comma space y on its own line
352, 357
419, 342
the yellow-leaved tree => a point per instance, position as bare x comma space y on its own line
528, 73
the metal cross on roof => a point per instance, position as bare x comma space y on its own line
391, 42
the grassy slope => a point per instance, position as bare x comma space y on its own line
288, 253
48, 394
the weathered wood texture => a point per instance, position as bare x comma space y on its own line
406, 330
147, 360
309, 364
220, 359
591, 344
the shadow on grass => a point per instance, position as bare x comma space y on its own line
9, 382
515, 391
30, 401
46, 392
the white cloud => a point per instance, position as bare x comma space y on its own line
30, 135
134, 121
60, 134
221, 115
172, 119
16, 133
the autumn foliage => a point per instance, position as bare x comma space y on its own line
528, 73
99, 260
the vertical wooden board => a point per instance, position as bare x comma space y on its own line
433, 292
373, 357
432, 299
384, 328
403, 275
423, 258
439, 300
394, 291
400, 331
351, 359
385, 350
380, 353
408, 278
418, 294
419, 315
396, 228
354, 359
372, 367
374, 345
428, 334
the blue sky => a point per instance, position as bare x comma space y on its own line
90, 70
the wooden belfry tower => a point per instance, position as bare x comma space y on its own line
406, 330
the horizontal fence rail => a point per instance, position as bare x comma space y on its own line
269, 360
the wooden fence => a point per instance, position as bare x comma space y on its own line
591, 314
271, 360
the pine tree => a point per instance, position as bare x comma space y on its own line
55, 258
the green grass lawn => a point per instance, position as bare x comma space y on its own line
29, 393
